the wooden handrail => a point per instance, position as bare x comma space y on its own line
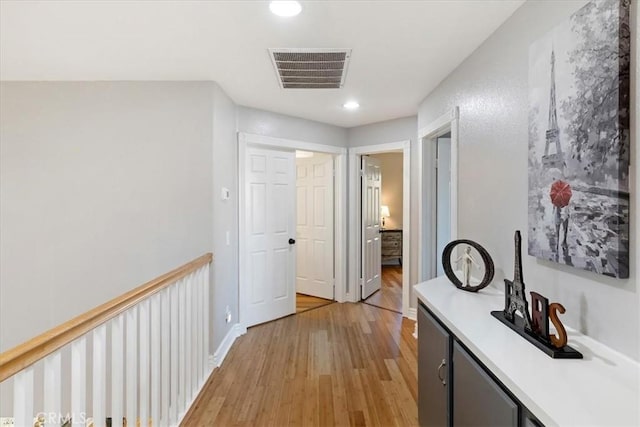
16, 359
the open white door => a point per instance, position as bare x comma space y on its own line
314, 242
371, 242
270, 231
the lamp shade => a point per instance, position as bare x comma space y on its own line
384, 211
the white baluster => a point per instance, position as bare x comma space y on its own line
52, 389
23, 397
117, 371
198, 330
166, 352
205, 323
175, 343
182, 338
131, 366
79, 381
100, 376
188, 338
144, 362
155, 360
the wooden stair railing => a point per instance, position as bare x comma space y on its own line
158, 338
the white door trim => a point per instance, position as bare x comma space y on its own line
355, 153
426, 200
340, 195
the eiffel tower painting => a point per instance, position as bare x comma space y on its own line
578, 162
555, 159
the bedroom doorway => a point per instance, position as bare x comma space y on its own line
379, 255
387, 203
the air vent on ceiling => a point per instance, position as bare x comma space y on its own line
310, 68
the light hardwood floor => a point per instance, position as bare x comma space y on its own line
338, 365
307, 302
390, 294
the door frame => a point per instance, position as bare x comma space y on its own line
340, 203
427, 137
355, 217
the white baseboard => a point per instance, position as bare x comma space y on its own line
236, 330
412, 313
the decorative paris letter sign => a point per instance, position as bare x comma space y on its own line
533, 327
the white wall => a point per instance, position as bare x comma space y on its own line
260, 122
103, 186
391, 194
402, 129
490, 88
225, 216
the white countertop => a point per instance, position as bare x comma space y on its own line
603, 389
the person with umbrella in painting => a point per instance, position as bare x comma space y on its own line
560, 194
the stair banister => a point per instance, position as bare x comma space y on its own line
152, 381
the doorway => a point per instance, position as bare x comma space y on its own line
268, 244
442, 173
379, 254
438, 189
388, 205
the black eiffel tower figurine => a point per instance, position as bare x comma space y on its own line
515, 298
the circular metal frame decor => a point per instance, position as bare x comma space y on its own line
486, 259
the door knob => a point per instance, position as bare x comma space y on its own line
292, 241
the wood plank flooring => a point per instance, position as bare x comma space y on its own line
390, 294
308, 302
338, 365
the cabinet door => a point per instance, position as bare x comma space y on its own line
433, 371
478, 399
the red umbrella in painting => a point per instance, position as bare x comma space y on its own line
560, 193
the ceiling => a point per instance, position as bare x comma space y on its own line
401, 50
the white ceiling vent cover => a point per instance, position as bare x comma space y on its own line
310, 68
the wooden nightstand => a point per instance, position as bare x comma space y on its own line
391, 245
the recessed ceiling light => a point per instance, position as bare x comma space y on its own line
351, 105
285, 8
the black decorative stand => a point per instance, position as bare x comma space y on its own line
565, 352
534, 329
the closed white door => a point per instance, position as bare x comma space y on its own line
443, 199
314, 228
270, 233
371, 242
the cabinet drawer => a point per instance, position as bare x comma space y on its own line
390, 245
478, 399
392, 236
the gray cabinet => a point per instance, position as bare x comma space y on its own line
434, 344
478, 399
454, 389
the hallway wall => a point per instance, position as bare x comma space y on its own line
103, 186
260, 122
225, 216
391, 194
491, 89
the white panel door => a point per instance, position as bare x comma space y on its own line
443, 199
371, 242
269, 225
314, 228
